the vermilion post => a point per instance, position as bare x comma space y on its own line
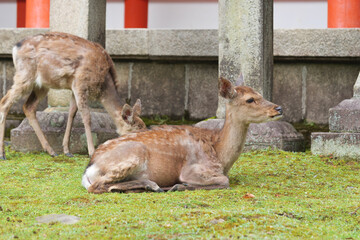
136, 13
343, 13
20, 13
37, 13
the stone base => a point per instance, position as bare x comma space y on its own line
337, 144
24, 139
345, 117
281, 135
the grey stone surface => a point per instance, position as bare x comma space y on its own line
53, 124
161, 88
328, 42
326, 86
203, 90
289, 91
337, 144
9, 37
345, 117
245, 45
128, 43
84, 18
306, 90
61, 218
357, 87
183, 43
278, 134
124, 71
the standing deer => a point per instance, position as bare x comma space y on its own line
179, 157
64, 61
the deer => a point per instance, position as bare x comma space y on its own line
63, 61
176, 158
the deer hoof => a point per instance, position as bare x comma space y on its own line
69, 155
3, 157
54, 155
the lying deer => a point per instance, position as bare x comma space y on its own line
179, 157
64, 61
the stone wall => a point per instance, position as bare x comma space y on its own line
174, 72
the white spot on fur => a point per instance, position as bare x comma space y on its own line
38, 81
90, 176
14, 53
1, 117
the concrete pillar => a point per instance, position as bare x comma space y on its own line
84, 18
246, 44
246, 49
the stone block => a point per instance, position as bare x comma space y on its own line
338, 144
128, 42
203, 90
328, 42
161, 88
89, 16
279, 134
326, 86
183, 43
345, 117
9, 37
124, 77
288, 90
53, 125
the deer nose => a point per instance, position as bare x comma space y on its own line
279, 109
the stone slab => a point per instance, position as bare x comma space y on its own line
337, 144
128, 43
61, 218
183, 43
345, 117
344, 42
161, 88
279, 134
202, 90
24, 139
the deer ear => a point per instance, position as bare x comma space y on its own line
226, 89
137, 108
127, 113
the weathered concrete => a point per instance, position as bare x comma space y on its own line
160, 86
306, 90
278, 134
201, 84
343, 140
341, 42
337, 144
246, 45
84, 18
53, 124
345, 117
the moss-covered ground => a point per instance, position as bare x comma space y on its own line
295, 196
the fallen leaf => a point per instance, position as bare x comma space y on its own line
248, 195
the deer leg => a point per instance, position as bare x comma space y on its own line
72, 113
81, 101
198, 176
16, 92
135, 185
30, 112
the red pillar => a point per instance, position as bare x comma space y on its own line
37, 13
20, 13
136, 13
343, 13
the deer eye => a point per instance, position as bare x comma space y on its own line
250, 100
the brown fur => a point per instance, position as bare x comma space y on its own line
64, 61
171, 156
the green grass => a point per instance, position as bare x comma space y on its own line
297, 196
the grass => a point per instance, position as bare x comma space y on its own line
297, 196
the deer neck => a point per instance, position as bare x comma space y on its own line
231, 141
